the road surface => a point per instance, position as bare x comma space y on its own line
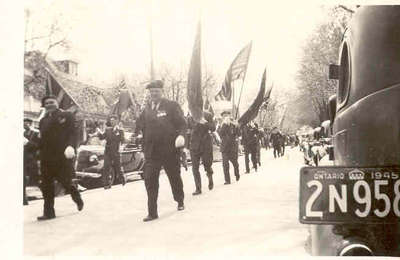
256, 216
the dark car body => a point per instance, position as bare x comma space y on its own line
90, 164
366, 121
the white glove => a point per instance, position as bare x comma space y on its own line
203, 121
69, 152
25, 140
179, 141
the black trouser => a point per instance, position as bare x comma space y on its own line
233, 158
111, 160
258, 154
277, 150
253, 153
31, 171
151, 179
61, 170
282, 149
25, 198
207, 160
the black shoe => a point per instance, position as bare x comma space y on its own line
197, 192
46, 217
210, 183
150, 218
79, 204
26, 202
247, 172
181, 206
227, 183
107, 187
237, 177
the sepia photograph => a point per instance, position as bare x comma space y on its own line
172, 129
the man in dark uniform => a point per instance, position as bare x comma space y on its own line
114, 136
31, 169
249, 142
283, 143
57, 150
201, 148
163, 125
276, 141
266, 138
259, 137
229, 132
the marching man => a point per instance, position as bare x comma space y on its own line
229, 133
201, 148
114, 137
163, 126
57, 151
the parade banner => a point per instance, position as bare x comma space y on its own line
252, 111
65, 100
194, 88
236, 71
124, 102
208, 107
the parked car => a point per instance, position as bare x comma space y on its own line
352, 208
89, 164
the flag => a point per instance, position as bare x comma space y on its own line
194, 88
125, 101
252, 111
236, 71
267, 95
208, 107
65, 101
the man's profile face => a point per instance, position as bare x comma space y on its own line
27, 125
155, 94
113, 121
50, 104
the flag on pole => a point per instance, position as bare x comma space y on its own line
236, 71
125, 101
65, 100
208, 107
252, 111
194, 88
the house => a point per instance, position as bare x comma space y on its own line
61, 80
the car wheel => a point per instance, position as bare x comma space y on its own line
59, 190
111, 176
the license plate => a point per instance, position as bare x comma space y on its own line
335, 195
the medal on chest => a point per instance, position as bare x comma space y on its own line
161, 113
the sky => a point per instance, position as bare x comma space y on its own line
111, 38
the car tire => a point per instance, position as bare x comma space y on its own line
112, 176
59, 190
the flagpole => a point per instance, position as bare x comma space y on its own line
151, 41
240, 95
241, 89
151, 51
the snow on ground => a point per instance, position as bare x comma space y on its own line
257, 216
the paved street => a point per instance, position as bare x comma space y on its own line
256, 216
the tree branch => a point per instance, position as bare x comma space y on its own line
346, 9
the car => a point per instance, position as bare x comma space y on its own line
89, 164
352, 208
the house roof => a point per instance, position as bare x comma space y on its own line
88, 98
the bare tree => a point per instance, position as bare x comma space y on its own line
53, 35
175, 81
321, 49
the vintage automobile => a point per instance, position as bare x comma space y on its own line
89, 164
353, 207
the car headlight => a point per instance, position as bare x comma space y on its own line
93, 158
